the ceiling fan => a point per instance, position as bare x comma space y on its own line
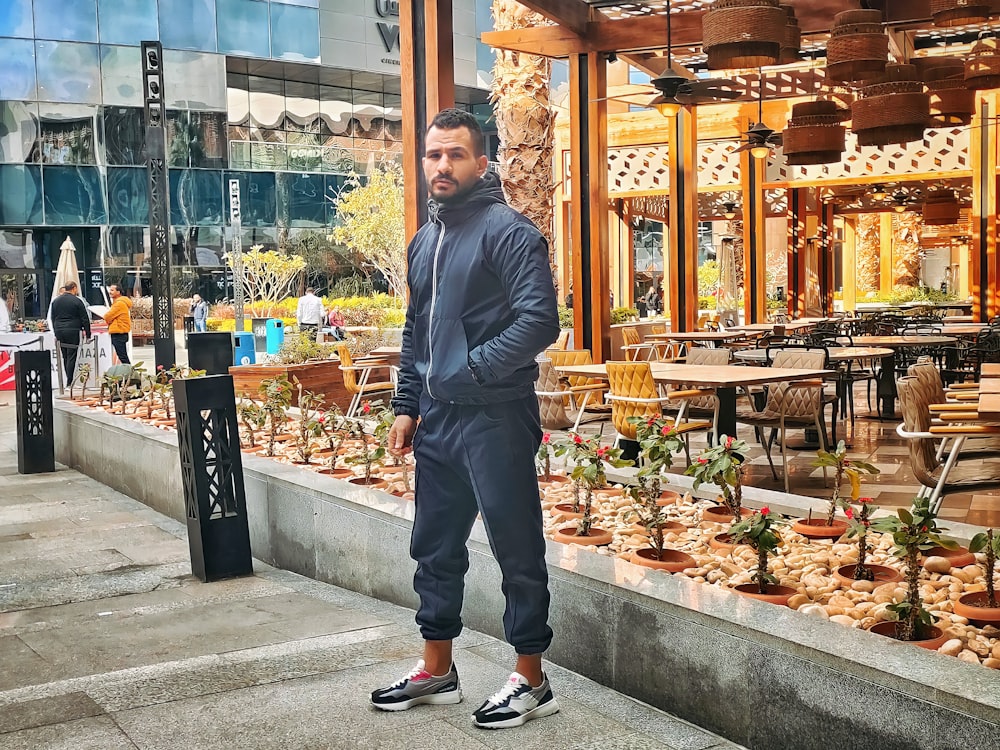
759, 137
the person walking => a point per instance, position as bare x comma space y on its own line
119, 320
199, 311
309, 314
70, 316
482, 307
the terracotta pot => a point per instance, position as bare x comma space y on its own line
403, 494
374, 482
722, 514
338, 473
816, 528
325, 453
883, 574
566, 509
958, 558
888, 629
568, 535
668, 526
165, 422
554, 480
669, 497
775, 594
723, 543
610, 491
253, 449
672, 560
973, 608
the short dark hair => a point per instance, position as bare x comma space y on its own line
117, 288
450, 119
70, 286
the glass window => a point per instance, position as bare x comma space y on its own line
239, 154
257, 198
68, 72
188, 24
74, 195
15, 19
244, 27
121, 76
266, 237
268, 156
309, 4
126, 246
195, 196
305, 153
294, 33
393, 117
69, 133
334, 184
71, 20
128, 196
367, 116
196, 246
17, 73
301, 199
196, 139
124, 135
127, 21
336, 108
238, 98
20, 194
18, 132
302, 107
267, 102
194, 80
338, 159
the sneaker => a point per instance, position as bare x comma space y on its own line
419, 686
516, 703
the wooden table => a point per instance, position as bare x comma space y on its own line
723, 378
388, 353
963, 329
710, 337
792, 325
990, 370
837, 353
887, 378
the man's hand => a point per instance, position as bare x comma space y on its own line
401, 435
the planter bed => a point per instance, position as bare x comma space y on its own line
696, 650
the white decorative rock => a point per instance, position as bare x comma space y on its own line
936, 564
952, 648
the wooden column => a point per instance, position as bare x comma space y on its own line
850, 265
827, 238
754, 248
983, 155
680, 247
589, 203
619, 232
886, 276
796, 251
427, 83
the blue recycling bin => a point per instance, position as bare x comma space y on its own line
275, 335
243, 348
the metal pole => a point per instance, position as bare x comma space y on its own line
237, 252
159, 205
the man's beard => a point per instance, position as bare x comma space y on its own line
459, 196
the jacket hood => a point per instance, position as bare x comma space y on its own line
127, 300
486, 191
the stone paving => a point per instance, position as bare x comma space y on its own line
108, 642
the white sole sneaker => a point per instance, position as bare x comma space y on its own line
538, 712
434, 699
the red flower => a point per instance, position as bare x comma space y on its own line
765, 510
729, 442
577, 439
867, 523
366, 408
864, 499
667, 429
846, 462
650, 422
849, 512
159, 367
321, 419
546, 438
923, 528
702, 460
602, 452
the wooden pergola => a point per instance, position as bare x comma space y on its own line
585, 33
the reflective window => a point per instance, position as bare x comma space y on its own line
301, 200
302, 107
121, 76
306, 3
17, 73
368, 113
195, 246
194, 80
74, 195
305, 152
18, 132
266, 237
268, 156
128, 201
20, 194
127, 21
71, 20
337, 109
244, 27
257, 198
196, 139
238, 99
294, 33
124, 135
68, 72
239, 154
126, 246
267, 102
15, 18
70, 133
195, 196
338, 159
188, 24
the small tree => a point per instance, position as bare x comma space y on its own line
372, 452
544, 456
842, 466
986, 541
589, 470
859, 524
276, 397
309, 424
251, 416
722, 465
371, 222
646, 507
268, 274
759, 531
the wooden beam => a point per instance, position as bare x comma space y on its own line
412, 74
886, 276
572, 14
440, 50
754, 239
795, 294
680, 251
850, 260
983, 155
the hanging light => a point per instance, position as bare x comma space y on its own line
730, 210
760, 152
879, 193
949, 13
899, 207
743, 33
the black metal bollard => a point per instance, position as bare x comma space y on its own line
211, 352
36, 451
212, 473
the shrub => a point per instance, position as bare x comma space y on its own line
565, 316
623, 315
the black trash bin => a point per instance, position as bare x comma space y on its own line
188, 328
212, 352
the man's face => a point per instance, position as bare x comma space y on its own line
114, 293
451, 167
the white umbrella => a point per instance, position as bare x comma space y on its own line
725, 299
67, 270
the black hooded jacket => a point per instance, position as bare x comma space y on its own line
482, 304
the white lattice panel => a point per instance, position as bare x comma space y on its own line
718, 164
638, 168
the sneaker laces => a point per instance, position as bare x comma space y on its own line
415, 672
507, 691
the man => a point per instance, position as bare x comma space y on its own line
482, 306
309, 314
70, 316
119, 320
199, 311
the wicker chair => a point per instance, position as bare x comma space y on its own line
585, 394
551, 397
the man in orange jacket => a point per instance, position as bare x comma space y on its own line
119, 320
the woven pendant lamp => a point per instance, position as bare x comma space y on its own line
941, 208
952, 102
793, 38
743, 33
892, 109
815, 133
858, 49
982, 66
959, 12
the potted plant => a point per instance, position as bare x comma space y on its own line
852, 469
82, 376
859, 523
573, 451
336, 428
252, 418
590, 459
276, 397
658, 442
760, 532
722, 465
544, 462
983, 607
913, 531
653, 516
371, 451
309, 425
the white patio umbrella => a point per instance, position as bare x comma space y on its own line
67, 270
725, 298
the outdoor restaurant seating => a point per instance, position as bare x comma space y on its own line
552, 397
586, 395
357, 374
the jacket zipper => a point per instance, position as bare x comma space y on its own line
430, 322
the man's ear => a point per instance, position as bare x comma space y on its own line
482, 164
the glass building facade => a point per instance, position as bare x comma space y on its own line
248, 97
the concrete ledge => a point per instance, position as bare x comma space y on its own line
763, 676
